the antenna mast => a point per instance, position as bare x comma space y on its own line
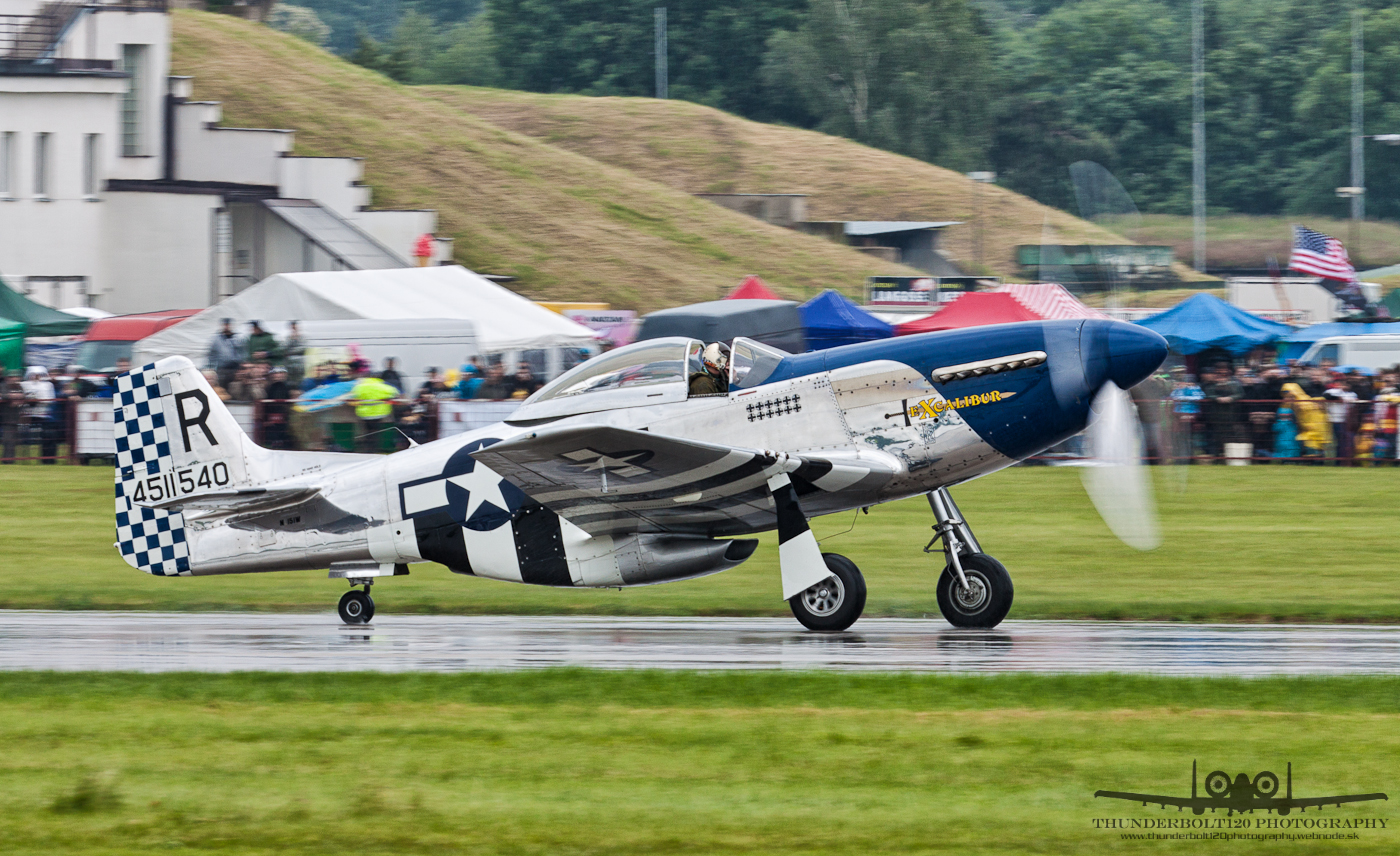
1198, 136
659, 48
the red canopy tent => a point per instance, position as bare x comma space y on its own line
974, 309
752, 288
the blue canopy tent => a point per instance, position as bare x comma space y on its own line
1203, 321
1298, 341
830, 320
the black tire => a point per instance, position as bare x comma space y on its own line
356, 607
836, 602
990, 596
1218, 783
1266, 784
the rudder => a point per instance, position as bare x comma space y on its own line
174, 438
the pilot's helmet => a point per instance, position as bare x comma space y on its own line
716, 357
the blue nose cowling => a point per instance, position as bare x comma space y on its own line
1134, 353
1121, 352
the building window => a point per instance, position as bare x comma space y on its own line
133, 102
90, 153
7, 160
41, 166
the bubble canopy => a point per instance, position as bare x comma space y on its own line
654, 371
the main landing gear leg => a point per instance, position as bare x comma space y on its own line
974, 589
825, 590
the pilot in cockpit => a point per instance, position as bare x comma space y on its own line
713, 380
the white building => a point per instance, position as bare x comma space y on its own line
117, 192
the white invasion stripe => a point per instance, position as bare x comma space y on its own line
424, 497
492, 553
802, 564
841, 477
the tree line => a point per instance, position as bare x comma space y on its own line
1021, 87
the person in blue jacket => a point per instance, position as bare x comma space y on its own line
1286, 434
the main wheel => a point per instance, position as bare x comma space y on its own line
986, 599
834, 603
356, 607
1266, 784
1218, 783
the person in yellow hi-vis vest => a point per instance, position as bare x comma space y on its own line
372, 399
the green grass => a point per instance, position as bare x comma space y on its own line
584, 762
1241, 544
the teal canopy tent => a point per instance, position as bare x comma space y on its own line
40, 319
11, 345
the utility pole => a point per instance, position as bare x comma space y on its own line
1198, 137
1358, 154
662, 84
981, 177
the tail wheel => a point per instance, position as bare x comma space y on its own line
356, 607
834, 603
986, 598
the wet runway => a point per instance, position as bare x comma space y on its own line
225, 642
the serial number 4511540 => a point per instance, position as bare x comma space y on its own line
163, 486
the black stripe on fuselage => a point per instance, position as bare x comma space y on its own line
440, 539
539, 547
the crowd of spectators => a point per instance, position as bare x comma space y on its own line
35, 412
258, 368
1284, 411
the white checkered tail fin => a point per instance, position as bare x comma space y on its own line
174, 439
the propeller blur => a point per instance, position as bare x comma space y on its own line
615, 475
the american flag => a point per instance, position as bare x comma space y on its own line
1320, 255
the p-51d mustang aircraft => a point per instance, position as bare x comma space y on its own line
614, 475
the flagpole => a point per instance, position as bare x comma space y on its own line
1358, 155
1198, 137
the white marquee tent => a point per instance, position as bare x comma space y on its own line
504, 321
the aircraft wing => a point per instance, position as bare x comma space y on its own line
1321, 801
1184, 802
605, 479
1271, 804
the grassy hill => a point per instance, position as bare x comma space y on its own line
590, 198
1240, 240
570, 227
698, 149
